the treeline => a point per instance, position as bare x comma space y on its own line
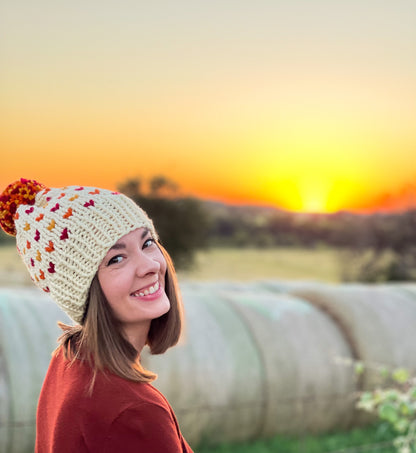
258, 226
373, 248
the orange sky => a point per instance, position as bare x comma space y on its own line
308, 106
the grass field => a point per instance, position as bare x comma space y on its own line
257, 264
223, 264
373, 439
12, 270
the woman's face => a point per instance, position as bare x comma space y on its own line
132, 277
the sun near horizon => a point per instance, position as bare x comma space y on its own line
306, 106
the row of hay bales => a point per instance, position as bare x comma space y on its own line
256, 359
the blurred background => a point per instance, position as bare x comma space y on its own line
268, 140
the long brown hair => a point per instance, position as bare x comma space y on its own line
100, 341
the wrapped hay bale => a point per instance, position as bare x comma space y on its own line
254, 361
206, 377
28, 333
377, 321
254, 364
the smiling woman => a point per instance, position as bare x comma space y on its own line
132, 277
97, 254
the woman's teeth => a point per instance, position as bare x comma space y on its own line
150, 290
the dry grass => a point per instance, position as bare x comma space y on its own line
12, 270
222, 264
256, 264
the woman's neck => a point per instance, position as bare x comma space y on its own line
137, 334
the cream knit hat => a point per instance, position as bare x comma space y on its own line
63, 234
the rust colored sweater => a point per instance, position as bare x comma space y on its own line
120, 416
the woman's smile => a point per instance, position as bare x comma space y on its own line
152, 290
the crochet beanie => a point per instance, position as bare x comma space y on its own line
63, 234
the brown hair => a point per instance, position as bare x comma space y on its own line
100, 341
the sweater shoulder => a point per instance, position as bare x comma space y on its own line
73, 416
109, 393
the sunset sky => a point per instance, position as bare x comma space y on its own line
307, 105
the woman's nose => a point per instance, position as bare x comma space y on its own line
146, 264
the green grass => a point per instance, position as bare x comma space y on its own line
375, 439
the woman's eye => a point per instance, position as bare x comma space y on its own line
115, 260
148, 242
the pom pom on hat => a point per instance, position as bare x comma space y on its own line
19, 192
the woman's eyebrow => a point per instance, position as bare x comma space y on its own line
118, 246
122, 245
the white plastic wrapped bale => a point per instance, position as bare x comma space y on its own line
254, 364
378, 322
28, 333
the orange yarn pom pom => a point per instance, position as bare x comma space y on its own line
15, 194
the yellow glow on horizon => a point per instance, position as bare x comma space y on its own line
312, 118
314, 195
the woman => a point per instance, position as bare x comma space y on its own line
97, 254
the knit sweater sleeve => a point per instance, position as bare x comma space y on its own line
146, 428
